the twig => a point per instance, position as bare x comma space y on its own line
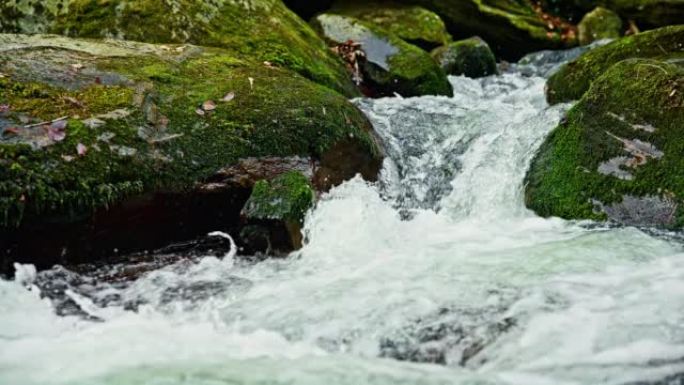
44, 123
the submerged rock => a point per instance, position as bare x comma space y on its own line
388, 65
601, 23
110, 145
575, 78
619, 153
512, 28
415, 25
471, 57
258, 30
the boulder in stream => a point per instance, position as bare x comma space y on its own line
619, 153
471, 57
114, 146
601, 23
574, 78
386, 64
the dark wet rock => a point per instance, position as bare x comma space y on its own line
575, 78
388, 65
413, 24
618, 153
451, 336
512, 28
94, 164
307, 9
255, 30
471, 57
601, 23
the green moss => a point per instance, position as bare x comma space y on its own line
256, 30
150, 136
511, 27
471, 57
575, 78
416, 25
601, 23
391, 65
287, 197
636, 99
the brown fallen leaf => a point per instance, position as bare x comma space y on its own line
209, 105
11, 131
200, 112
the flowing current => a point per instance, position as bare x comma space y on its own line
437, 274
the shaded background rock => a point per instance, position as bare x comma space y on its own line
601, 23
471, 57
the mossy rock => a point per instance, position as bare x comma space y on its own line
470, 57
258, 30
286, 198
601, 23
647, 13
391, 65
511, 27
619, 154
141, 118
575, 78
414, 24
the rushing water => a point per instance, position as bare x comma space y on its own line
435, 275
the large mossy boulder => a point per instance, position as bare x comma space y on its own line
575, 78
599, 24
619, 154
258, 30
512, 28
470, 57
414, 24
100, 140
388, 65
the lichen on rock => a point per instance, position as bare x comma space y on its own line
601, 23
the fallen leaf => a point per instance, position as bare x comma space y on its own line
11, 131
93, 123
209, 105
229, 96
200, 112
268, 64
67, 158
59, 124
77, 66
81, 149
73, 101
251, 83
57, 130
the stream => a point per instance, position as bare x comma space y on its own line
436, 274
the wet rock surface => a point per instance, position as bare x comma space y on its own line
388, 65
471, 57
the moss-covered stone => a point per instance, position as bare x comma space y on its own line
258, 30
575, 78
391, 65
511, 27
471, 57
647, 13
414, 24
601, 23
619, 154
286, 198
126, 118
